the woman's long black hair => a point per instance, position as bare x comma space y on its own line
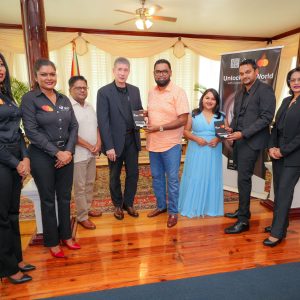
216, 110
5, 86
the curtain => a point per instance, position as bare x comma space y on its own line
96, 65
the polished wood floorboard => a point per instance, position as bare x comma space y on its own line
143, 250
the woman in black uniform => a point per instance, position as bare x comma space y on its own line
51, 128
14, 167
284, 149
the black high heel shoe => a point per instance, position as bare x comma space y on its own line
27, 268
269, 243
23, 279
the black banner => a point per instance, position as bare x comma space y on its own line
267, 60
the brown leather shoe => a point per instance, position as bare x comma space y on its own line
172, 220
95, 213
119, 214
87, 224
156, 212
132, 212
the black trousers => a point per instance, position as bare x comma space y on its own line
10, 241
284, 180
245, 158
51, 181
129, 156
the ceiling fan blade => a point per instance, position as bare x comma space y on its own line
125, 21
161, 18
124, 11
154, 9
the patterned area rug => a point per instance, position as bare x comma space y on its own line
144, 197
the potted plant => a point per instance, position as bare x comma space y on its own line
18, 89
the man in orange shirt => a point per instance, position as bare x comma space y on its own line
168, 110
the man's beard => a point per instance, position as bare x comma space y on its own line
162, 83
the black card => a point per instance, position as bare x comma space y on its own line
138, 118
220, 129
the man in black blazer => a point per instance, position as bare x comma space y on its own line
119, 135
254, 108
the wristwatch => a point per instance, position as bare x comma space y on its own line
161, 129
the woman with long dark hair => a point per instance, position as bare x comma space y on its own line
201, 187
284, 150
14, 167
51, 128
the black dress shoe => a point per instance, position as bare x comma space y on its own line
132, 212
27, 268
268, 229
24, 279
269, 243
237, 227
233, 215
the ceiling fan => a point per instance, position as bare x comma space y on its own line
143, 16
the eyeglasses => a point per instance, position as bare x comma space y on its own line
161, 72
294, 80
78, 88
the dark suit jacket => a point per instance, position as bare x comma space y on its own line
259, 113
291, 133
111, 119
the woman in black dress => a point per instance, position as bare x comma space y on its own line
284, 149
14, 167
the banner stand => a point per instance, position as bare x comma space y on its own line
230, 182
267, 60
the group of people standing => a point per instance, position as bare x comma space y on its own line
66, 134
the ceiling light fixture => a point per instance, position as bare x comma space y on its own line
178, 48
143, 24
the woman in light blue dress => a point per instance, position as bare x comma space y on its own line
201, 187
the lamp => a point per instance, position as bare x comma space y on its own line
81, 45
143, 24
178, 48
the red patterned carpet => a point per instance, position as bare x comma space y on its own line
144, 197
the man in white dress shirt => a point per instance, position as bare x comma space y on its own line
87, 148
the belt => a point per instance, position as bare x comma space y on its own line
59, 144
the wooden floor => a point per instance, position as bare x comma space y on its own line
138, 251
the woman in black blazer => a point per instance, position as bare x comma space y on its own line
284, 149
14, 167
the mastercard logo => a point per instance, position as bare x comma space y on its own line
47, 108
263, 62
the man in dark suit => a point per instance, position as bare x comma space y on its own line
119, 135
254, 109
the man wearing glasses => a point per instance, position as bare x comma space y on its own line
87, 148
168, 110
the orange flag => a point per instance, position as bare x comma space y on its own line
75, 66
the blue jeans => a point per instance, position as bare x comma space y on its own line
166, 164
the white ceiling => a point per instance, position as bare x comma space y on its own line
256, 18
